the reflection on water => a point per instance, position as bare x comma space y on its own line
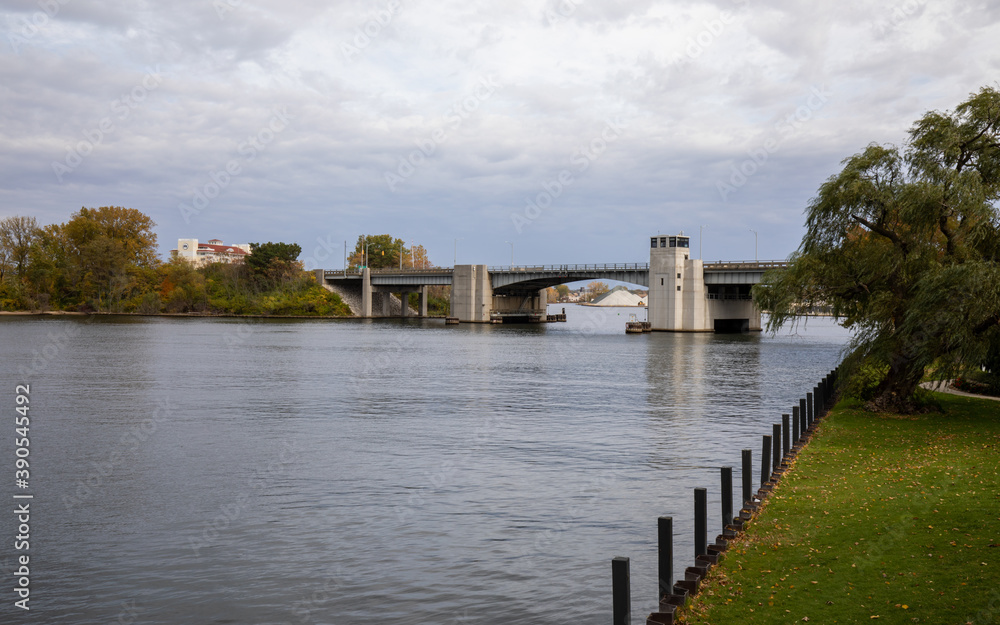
223, 470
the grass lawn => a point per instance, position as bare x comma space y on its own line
889, 519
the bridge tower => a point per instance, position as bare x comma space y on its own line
677, 300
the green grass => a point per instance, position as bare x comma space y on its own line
888, 519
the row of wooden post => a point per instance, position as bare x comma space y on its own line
777, 450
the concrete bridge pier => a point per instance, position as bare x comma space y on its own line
423, 301
366, 292
471, 293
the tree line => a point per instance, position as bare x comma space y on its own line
104, 260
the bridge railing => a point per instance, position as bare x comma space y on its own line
598, 267
357, 272
431, 270
714, 264
341, 272
745, 264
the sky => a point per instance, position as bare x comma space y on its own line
564, 131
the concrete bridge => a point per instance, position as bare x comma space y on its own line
685, 295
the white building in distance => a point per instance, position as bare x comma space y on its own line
215, 251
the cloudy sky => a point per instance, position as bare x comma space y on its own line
573, 129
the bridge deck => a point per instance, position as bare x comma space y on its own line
528, 277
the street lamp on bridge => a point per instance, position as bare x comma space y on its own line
754, 243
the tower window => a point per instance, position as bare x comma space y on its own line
678, 287
678, 276
652, 242
661, 281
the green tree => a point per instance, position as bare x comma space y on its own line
383, 252
182, 287
17, 235
274, 263
48, 269
262, 254
108, 250
904, 245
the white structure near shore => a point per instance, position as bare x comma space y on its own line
618, 296
215, 251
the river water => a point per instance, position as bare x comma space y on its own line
380, 471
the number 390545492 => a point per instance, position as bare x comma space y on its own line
21, 428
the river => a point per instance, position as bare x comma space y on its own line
218, 470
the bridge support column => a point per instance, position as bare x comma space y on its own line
471, 293
404, 304
423, 301
366, 292
386, 303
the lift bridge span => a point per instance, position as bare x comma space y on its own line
684, 294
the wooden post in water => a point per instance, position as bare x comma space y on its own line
775, 445
785, 436
810, 407
727, 497
796, 431
621, 594
765, 461
747, 476
665, 535
700, 522
802, 411
821, 397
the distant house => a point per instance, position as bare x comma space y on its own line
215, 251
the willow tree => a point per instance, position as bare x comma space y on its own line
904, 246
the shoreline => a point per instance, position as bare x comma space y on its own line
63, 313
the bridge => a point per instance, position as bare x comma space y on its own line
685, 294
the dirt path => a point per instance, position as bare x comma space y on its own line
944, 386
